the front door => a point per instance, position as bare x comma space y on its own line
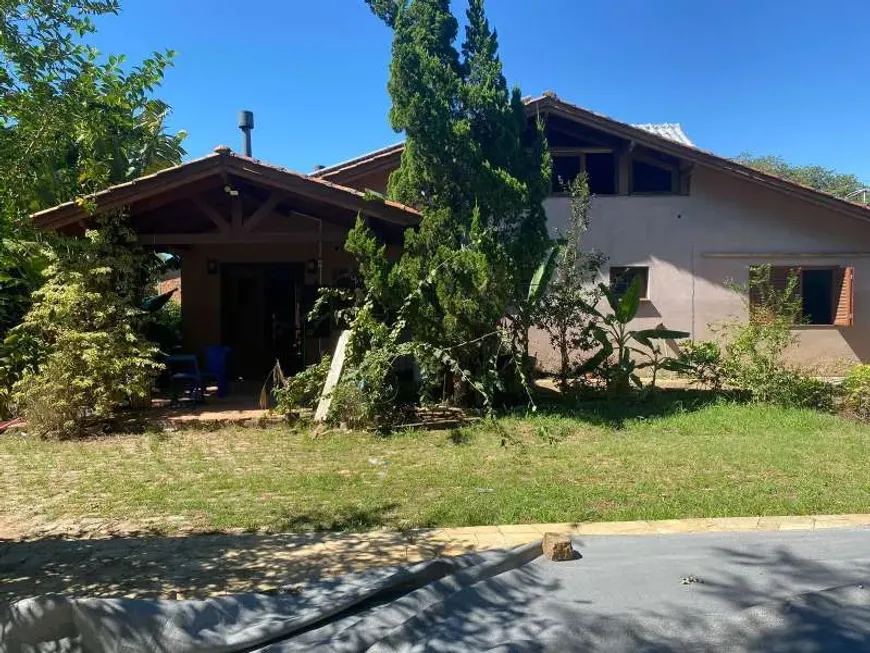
260, 312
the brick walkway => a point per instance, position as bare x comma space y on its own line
100, 562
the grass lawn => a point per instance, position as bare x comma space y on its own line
674, 457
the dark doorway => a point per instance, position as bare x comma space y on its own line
260, 317
817, 289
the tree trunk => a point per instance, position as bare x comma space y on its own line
565, 363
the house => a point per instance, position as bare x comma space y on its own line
256, 240
688, 223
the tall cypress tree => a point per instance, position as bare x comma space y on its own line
474, 170
514, 161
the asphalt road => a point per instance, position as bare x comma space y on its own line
783, 591
712, 573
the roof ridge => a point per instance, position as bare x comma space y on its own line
362, 157
550, 100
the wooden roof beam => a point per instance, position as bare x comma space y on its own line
209, 211
265, 210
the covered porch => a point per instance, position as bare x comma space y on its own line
256, 242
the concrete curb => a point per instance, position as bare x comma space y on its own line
456, 540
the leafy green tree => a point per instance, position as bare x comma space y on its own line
479, 179
566, 310
81, 342
73, 122
824, 179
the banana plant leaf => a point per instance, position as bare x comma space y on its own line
592, 363
629, 304
624, 306
544, 274
155, 303
659, 334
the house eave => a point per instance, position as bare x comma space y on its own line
225, 163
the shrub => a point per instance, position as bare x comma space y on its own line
856, 391
754, 354
702, 363
565, 312
302, 390
80, 349
791, 389
163, 327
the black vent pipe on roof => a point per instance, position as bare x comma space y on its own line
246, 124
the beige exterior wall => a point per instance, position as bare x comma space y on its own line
690, 243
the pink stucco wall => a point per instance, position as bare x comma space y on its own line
690, 243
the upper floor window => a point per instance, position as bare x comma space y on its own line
600, 167
647, 177
565, 170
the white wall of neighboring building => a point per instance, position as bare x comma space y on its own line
694, 243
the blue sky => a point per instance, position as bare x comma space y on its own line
787, 77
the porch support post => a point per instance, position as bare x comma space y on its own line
624, 175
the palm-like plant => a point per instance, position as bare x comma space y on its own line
616, 358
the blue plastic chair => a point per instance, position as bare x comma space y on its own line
216, 366
185, 378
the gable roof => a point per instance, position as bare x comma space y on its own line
666, 137
670, 130
223, 161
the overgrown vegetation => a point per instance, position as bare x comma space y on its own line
752, 359
856, 392
702, 363
72, 122
301, 390
80, 348
456, 301
565, 307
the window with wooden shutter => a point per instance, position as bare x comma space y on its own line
844, 279
824, 294
768, 283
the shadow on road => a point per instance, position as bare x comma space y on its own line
198, 566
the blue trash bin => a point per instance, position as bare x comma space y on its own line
216, 366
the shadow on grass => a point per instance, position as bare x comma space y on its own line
614, 412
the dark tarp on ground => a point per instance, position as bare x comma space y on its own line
738, 592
